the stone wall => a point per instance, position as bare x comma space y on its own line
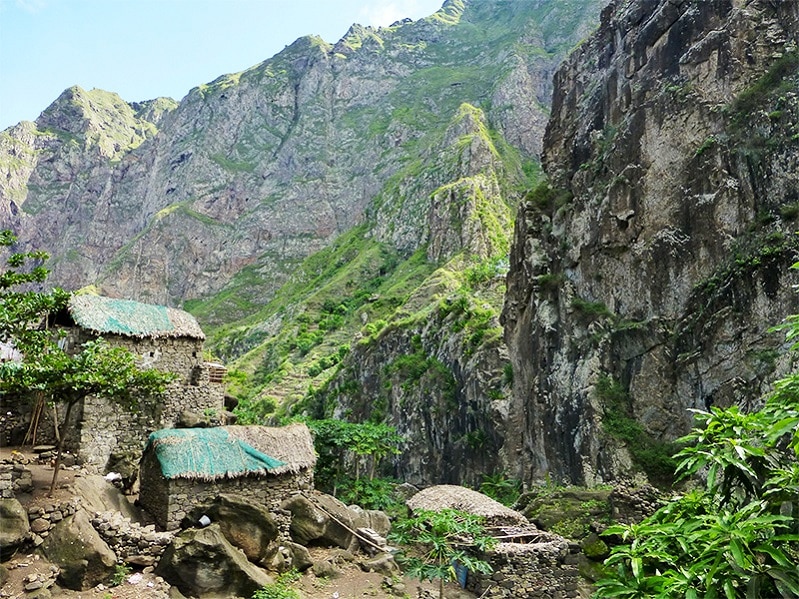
100, 429
534, 570
43, 518
130, 541
14, 478
170, 501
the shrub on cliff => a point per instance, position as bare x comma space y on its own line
737, 535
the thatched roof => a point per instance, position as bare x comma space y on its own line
466, 500
207, 454
290, 444
232, 451
104, 315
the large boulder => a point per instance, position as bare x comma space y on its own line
99, 495
248, 526
84, 559
14, 527
322, 520
202, 563
374, 519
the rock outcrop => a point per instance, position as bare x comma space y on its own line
645, 278
202, 563
166, 201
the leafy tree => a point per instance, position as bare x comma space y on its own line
46, 370
21, 306
368, 441
738, 534
440, 539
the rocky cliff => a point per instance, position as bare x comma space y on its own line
167, 201
646, 274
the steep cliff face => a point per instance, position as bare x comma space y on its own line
644, 279
261, 169
437, 369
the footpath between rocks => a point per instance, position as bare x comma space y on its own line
90, 541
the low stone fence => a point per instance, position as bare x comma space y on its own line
43, 518
130, 541
14, 478
533, 570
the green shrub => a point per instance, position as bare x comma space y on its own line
501, 488
281, 588
737, 535
120, 575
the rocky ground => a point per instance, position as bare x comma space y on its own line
346, 580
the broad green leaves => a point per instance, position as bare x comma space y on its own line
441, 539
738, 535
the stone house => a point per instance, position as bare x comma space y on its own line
102, 433
185, 468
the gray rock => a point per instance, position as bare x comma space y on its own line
202, 563
325, 520
77, 549
245, 525
98, 495
300, 556
14, 529
377, 520
325, 569
382, 563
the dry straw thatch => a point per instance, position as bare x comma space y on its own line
290, 444
442, 497
104, 315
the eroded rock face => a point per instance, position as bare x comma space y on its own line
660, 258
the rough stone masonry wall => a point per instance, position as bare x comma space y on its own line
99, 428
14, 478
185, 495
108, 429
534, 570
130, 541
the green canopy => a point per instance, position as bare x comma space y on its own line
207, 454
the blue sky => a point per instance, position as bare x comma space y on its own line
143, 49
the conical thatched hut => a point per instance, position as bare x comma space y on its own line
442, 497
183, 468
525, 558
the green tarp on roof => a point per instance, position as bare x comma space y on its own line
207, 454
135, 319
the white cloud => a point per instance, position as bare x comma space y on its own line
382, 13
32, 6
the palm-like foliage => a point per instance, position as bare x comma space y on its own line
438, 540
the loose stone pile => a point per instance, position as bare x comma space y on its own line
632, 503
14, 478
43, 518
130, 541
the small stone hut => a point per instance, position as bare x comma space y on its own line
184, 468
527, 562
168, 339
